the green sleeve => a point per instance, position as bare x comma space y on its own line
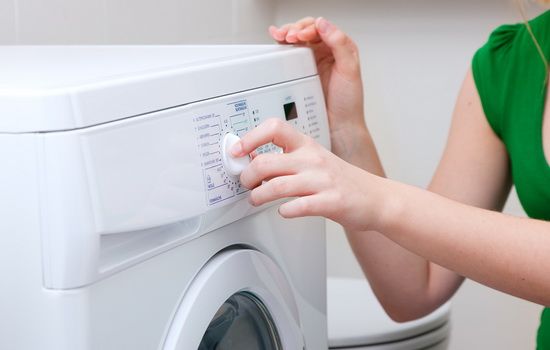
490, 68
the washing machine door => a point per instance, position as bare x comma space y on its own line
239, 300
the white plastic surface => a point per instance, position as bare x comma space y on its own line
47, 88
233, 165
437, 339
134, 308
226, 274
159, 172
115, 206
356, 318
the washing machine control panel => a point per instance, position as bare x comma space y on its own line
145, 184
218, 126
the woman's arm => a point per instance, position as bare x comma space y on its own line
501, 251
473, 170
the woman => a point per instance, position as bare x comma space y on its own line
413, 244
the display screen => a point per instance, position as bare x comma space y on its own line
290, 111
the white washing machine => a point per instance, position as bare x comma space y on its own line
120, 225
357, 321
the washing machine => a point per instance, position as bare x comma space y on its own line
357, 321
124, 225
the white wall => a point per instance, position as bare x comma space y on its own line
134, 21
415, 54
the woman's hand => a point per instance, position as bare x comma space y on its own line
324, 184
338, 66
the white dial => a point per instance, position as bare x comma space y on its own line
233, 166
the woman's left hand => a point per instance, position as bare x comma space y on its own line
324, 184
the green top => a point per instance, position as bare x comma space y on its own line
510, 78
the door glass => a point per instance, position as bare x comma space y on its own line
242, 323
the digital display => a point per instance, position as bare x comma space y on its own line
290, 111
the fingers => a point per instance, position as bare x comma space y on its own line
314, 205
310, 30
294, 29
291, 32
274, 32
272, 130
267, 166
283, 187
309, 34
343, 48
279, 34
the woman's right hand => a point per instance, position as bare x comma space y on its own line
338, 66
319, 182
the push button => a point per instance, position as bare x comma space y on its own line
233, 166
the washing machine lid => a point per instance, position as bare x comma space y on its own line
356, 318
52, 88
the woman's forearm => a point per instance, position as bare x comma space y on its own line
354, 144
507, 253
396, 275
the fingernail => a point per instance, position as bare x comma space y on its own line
279, 35
291, 32
237, 149
323, 25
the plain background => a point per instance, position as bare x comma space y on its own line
414, 54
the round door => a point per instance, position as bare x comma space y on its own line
239, 300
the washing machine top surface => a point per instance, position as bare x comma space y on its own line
356, 318
52, 88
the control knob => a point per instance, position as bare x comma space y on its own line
233, 166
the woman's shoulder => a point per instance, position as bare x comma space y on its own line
502, 59
503, 38
511, 44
